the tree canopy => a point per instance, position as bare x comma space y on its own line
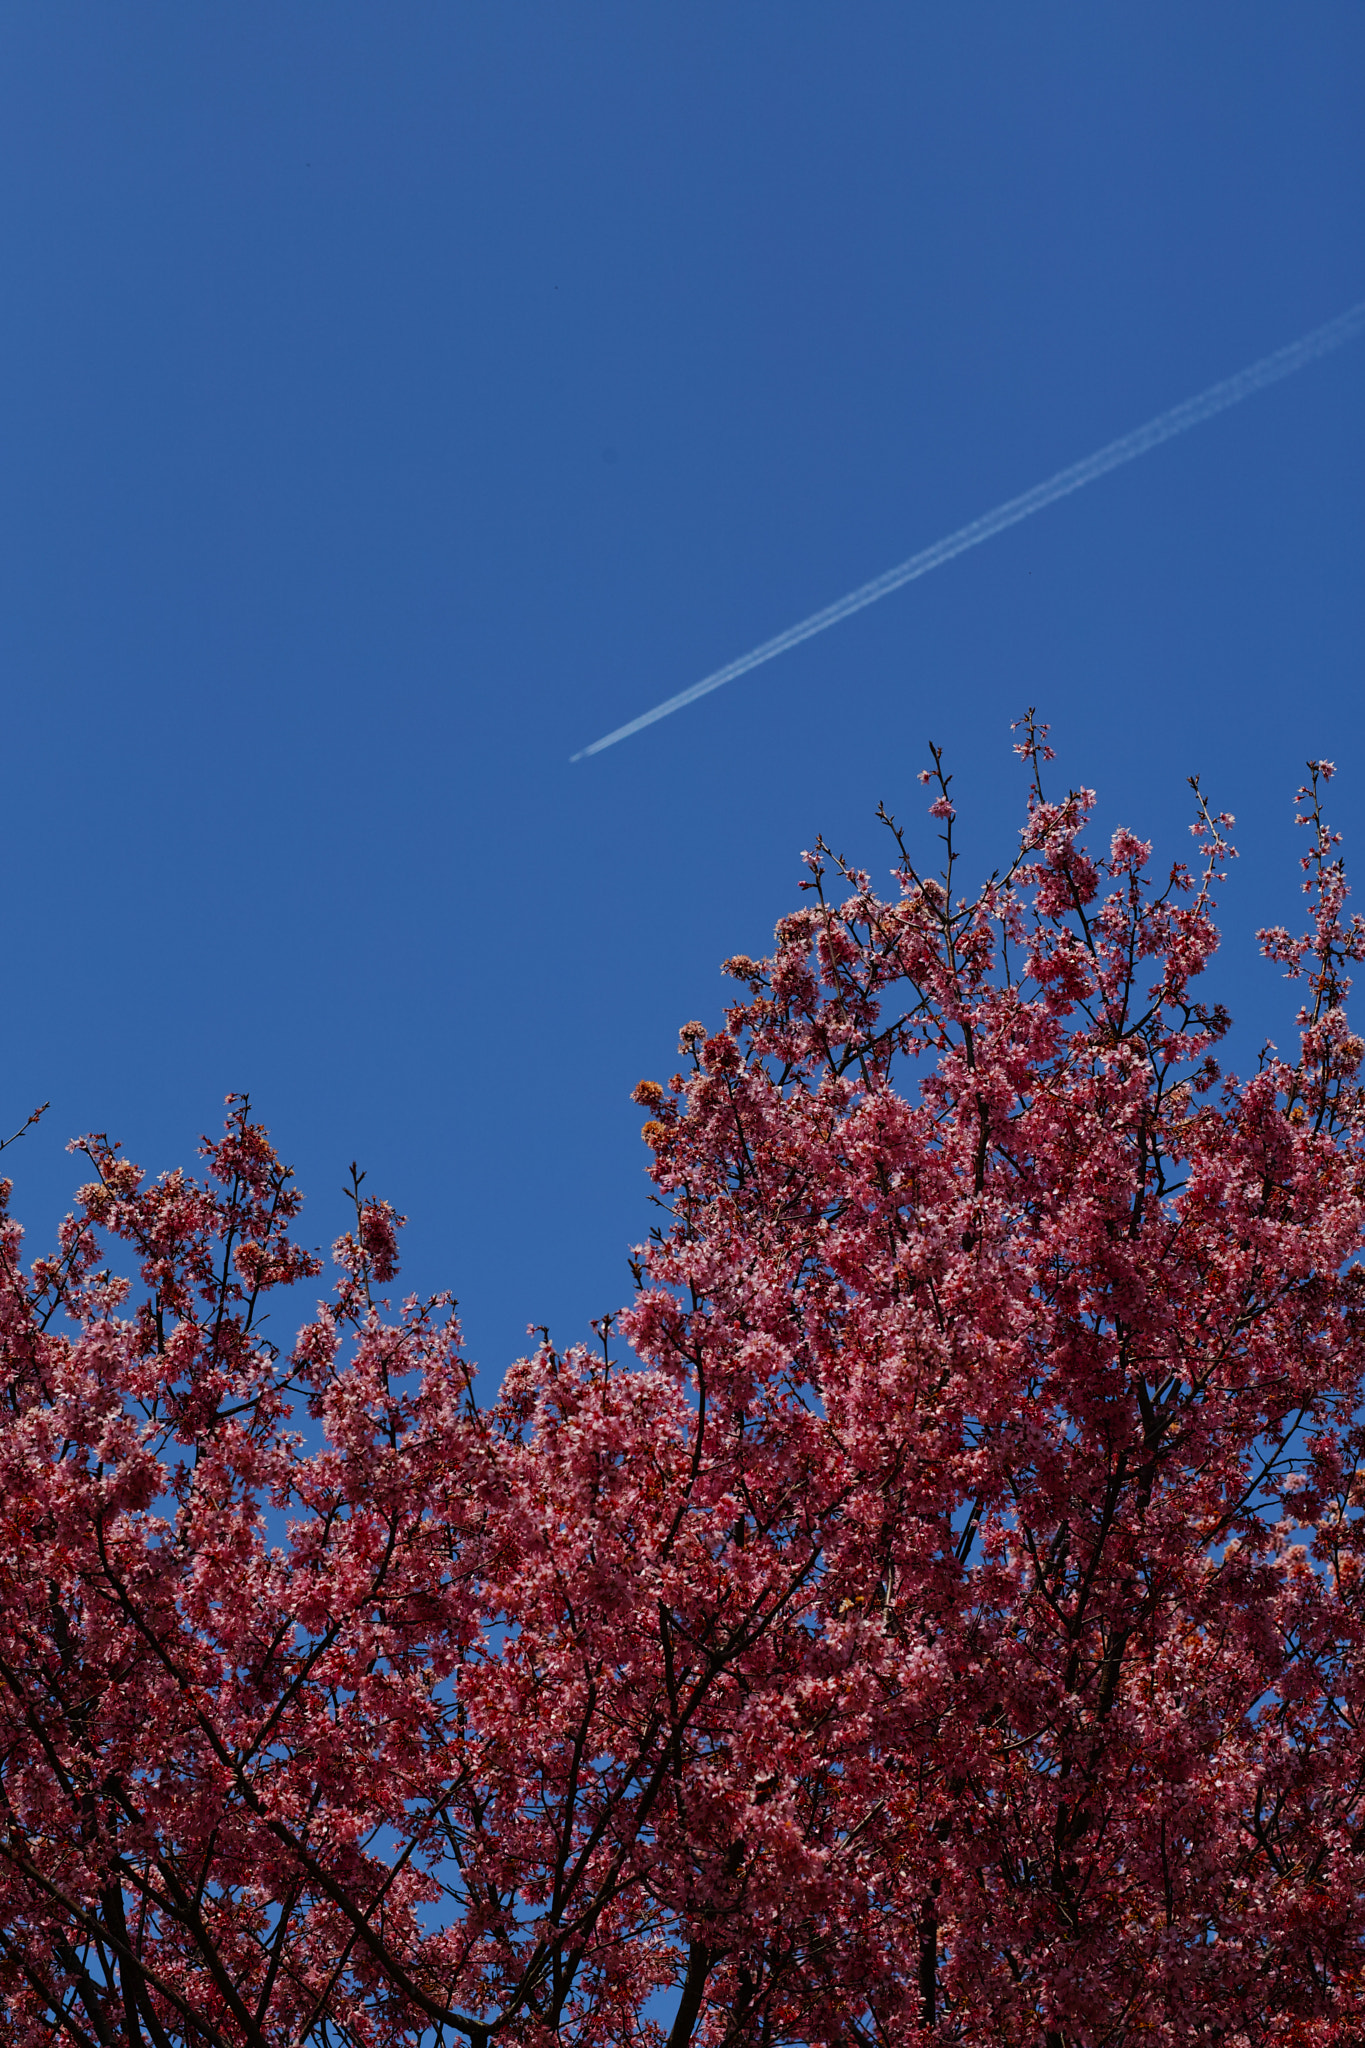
930, 1614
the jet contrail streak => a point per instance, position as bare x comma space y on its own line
1283, 363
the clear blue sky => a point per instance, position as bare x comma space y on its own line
396, 398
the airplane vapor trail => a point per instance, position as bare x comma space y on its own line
1231, 391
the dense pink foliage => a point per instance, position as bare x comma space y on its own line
943, 1626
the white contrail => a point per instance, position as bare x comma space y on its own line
1283, 363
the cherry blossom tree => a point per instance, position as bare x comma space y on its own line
930, 1613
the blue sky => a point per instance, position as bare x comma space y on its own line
395, 399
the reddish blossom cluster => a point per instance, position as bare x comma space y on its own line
943, 1626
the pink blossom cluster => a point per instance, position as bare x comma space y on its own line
943, 1624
